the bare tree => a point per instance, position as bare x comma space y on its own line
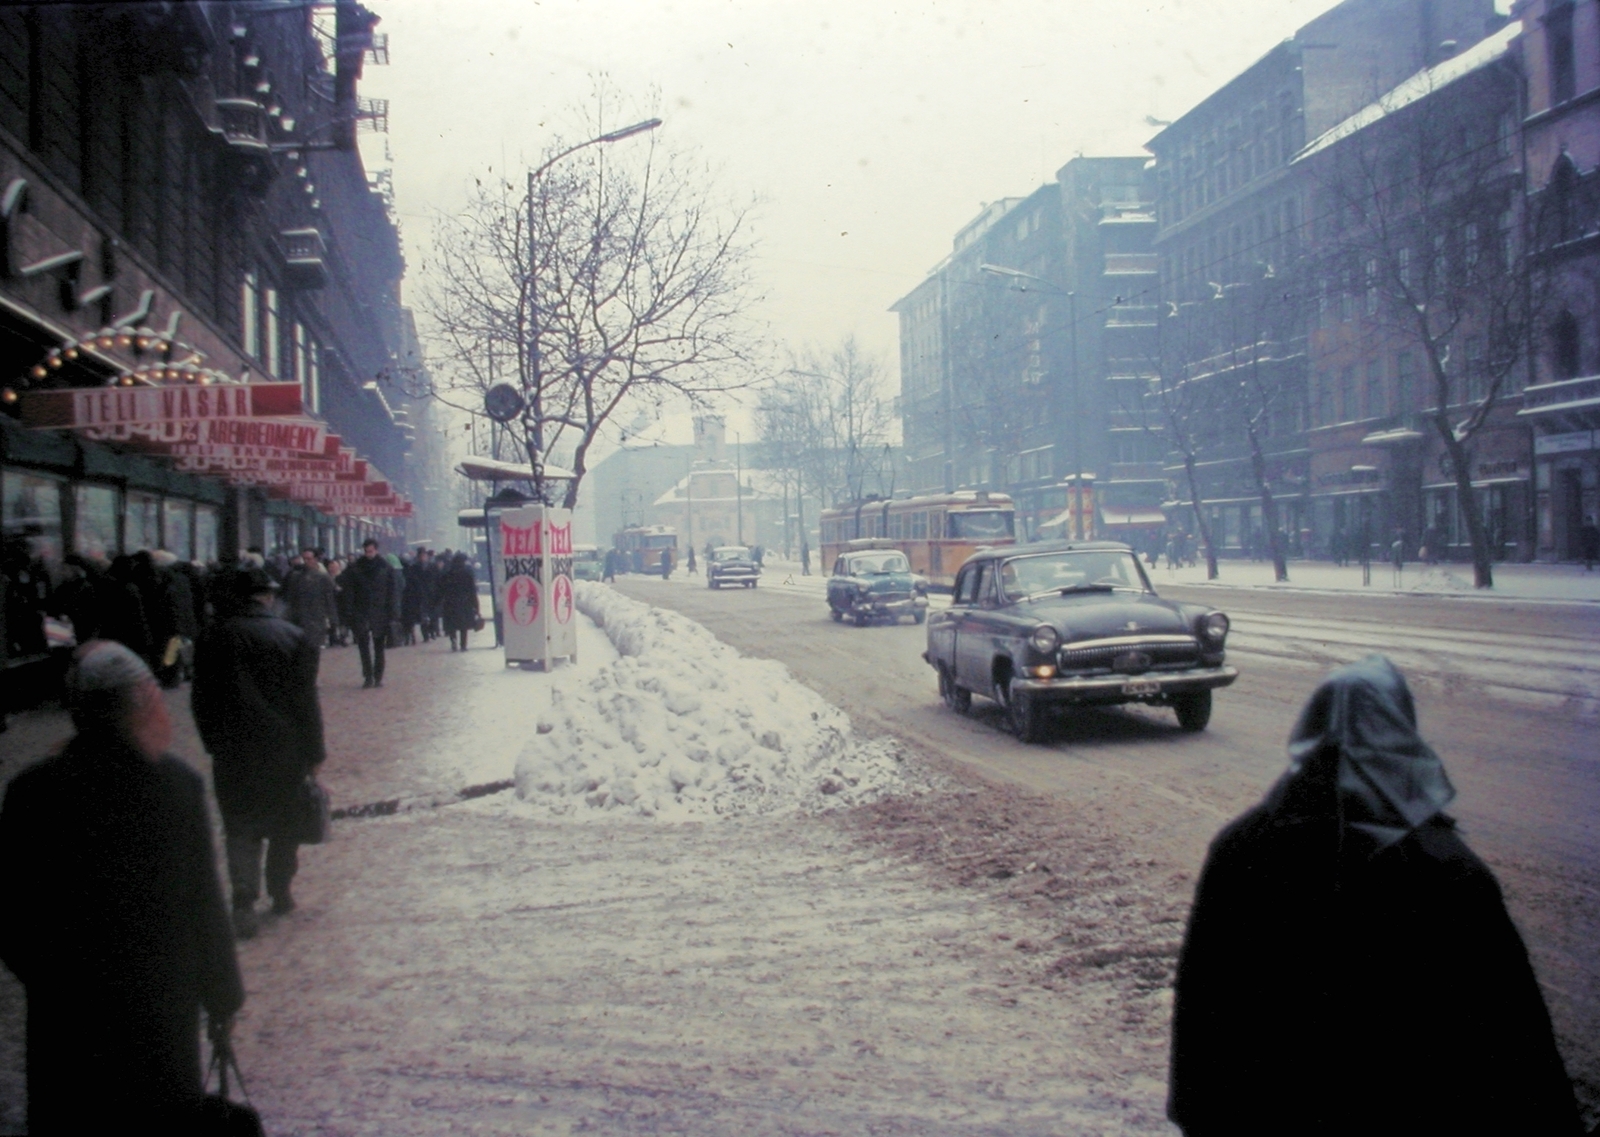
634, 285
1420, 207
833, 418
1265, 325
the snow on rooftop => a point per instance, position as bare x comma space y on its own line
1420, 85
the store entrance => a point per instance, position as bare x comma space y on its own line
1569, 514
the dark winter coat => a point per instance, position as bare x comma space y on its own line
1349, 965
374, 589
255, 705
112, 917
458, 598
309, 600
414, 577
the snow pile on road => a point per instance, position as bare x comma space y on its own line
683, 726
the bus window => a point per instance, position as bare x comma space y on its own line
980, 524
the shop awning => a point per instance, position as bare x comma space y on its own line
1132, 517
497, 470
246, 434
1392, 437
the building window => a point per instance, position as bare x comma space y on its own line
250, 315
1469, 242
1476, 378
1347, 395
1564, 346
1558, 47
1405, 384
1372, 393
270, 356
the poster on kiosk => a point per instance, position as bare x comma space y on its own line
534, 576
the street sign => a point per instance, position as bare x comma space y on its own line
533, 575
503, 402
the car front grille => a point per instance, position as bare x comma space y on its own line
1131, 655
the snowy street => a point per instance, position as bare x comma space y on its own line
714, 905
1506, 693
717, 948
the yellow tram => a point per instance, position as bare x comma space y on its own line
937, 532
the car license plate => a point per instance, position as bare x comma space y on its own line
1141, 687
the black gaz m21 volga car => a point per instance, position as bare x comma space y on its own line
1035, 627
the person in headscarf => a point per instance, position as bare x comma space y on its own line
111, 913
1349, 965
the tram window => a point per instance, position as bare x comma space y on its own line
919, 526
981, 524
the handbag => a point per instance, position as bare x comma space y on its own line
218, 1114
309, 813
477, 623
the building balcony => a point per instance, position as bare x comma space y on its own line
1131, 264
242, 128
304, 258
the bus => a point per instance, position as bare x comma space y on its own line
937, 532
641, 547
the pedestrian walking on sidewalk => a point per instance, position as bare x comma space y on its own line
255, 704
458, 601
690, 563
309, 597
374, 588
111, 914
1349, 966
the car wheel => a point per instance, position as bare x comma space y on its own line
838, 616
1024, 713
958, 699
862, 619
1194, 710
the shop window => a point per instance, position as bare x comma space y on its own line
141, 527
206, 525
31, 513
94, 532
177, 527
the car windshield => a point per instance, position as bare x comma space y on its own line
877, 563
731, 553
980, 524
1046, 572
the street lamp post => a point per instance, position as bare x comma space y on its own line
1077, 387
533, 417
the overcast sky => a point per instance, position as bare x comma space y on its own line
870, 130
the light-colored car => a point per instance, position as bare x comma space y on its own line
732, 564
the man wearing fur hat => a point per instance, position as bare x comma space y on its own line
111, 914
255, 705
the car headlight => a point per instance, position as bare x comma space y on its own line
863, 586
1043, 639
1214, 627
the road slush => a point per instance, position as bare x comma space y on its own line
533, 572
